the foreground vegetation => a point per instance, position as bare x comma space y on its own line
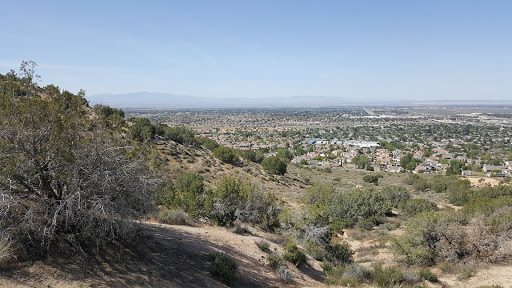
75, 178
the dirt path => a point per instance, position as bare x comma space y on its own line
168, 256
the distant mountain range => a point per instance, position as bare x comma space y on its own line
165, 100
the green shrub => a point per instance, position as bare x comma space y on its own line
395, 194
274, 165
426, 274
181, 134
327, 170
421, 185
412, 207
459, 193
386, 277
466, 274
294, 255
229, 197
368, 223
208, 143
326, 266
285, 154
372, 178
316, 251
263, 245
190, 193
223, 268
339, 254
485, 205
225, 154
173, 216
251, 155
275, 261
142, 129
421, 243
412, 179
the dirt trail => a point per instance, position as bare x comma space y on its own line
169, 256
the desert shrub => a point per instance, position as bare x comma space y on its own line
440, 184
285, 154
386, 276
274, 165
426, 274
263, 245
459, 193
351, 206
189, 193
485, 205
466, 274
411, 179
318, 194
421, 185
316, 251
142, 129
67, 177
325, 206
173, 216
111, 117
395, 194
317, 234
240, 229
490, 236
208, 143
294, 255
339, 254
412, 207
228, 198
180, 134
225, 154
224, 268
429, 237
352, 275
284, 273
326, 266
372, 178
368, 223
237, 199
390, 226
261, 209
251, 155
358, 272
275, 261
411, 278
447, 267
6, 251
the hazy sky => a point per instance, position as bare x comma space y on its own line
351, 49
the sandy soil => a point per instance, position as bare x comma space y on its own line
172, 256
495, 275
478, 181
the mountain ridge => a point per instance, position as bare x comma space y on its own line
168, 100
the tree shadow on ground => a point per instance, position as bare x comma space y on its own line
162, 257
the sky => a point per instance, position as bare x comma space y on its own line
393, 50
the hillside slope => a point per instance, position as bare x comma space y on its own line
167, 256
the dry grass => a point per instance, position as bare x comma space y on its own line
6, 252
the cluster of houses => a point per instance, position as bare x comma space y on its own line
381, 159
